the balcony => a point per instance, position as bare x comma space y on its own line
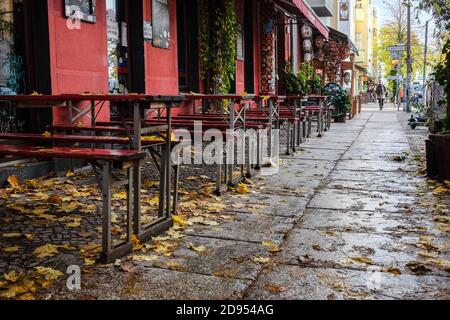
323, 8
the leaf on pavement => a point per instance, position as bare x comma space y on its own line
144, 258
364, 260
262, 260
440, 190
11, 235
49, 273
11, 249
199, 249
394, 271
47, 250
10, 276
13, 181
55, 199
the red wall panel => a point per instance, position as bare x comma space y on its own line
78, 57
161, 65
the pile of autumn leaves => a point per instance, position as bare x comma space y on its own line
61, 200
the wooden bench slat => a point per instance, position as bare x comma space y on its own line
72, 153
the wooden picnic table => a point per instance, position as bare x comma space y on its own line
138, 103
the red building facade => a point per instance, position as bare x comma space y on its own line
150, 46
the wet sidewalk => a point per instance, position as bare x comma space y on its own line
350, 216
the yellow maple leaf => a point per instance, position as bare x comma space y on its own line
11, 235
48, 273
144, 258
137, 245
179, 220
119, 196
25, 286
55, 199
32, 183
11, 249
75, 223
365, 260
89, 262
261, 260
47, 250
440, 189
47, 134
13, 181
199, 249
70, 174
10, 276
68, 207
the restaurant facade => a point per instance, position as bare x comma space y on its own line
143, 46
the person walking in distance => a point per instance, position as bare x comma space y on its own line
381, 94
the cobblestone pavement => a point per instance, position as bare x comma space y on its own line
349, 216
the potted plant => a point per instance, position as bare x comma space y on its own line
315, 85
438, 145
293, 85
342, 104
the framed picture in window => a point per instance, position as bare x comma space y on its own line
240, 54
161, 24
80, 9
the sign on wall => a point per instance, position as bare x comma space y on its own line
161, 24
148, 31
344, 10
240, 43
81, 9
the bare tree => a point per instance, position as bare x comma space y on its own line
397, 12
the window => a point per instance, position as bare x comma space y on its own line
117, 46
188, 77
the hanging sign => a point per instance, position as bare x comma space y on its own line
148, 31
124, 34
161, 24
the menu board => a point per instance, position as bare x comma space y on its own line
161, 23
81, 9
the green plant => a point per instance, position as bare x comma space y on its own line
304, 75
217, 44
342, 103
446, 123
442, 75
315, 85
292, 82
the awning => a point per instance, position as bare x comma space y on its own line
342, 36
305, 10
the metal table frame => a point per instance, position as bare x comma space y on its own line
139, 104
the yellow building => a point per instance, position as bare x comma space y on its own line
364, 40
375, 42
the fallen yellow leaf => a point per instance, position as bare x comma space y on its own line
199, 249
261, 260
89, 262
145, 258
242, 188
13, 181
70, 174
11, 235
10, 276
47, 250
11, 249
440, 189
48, 273
362, 260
